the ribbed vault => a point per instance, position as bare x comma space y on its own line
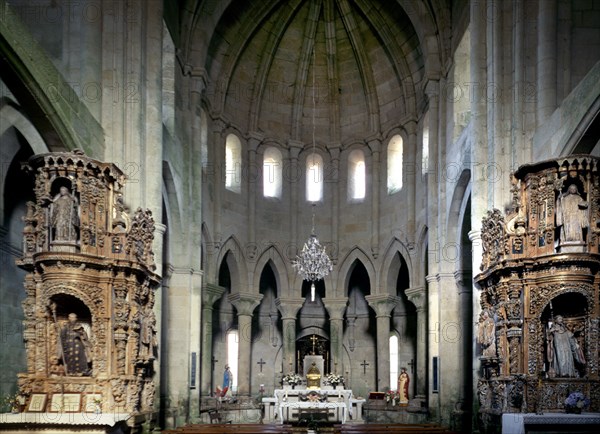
363, 56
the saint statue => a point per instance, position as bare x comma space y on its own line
64, 217
562, 350
487, 334
403, 382
571, 215
74, 348
225, 391
147, 333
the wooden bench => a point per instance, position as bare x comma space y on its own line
226, 428
391, 428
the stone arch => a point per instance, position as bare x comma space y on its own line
347, 265
11, 117
232, 253
390, 265
273, 256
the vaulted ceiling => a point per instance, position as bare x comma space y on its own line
355, 67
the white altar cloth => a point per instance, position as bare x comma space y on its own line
316, 405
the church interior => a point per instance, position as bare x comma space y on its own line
299, 215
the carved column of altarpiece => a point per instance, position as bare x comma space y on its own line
540, 262
89, 259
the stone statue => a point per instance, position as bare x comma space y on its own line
571, 215
64, 217
487, 334
147, 333
562, 350
403, 382
74, 348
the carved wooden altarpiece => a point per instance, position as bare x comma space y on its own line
89, 259
540, 262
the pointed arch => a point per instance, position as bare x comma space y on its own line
235, 262
391, 265
347, 265
273, 256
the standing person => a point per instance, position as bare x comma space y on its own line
75, 348
563, 350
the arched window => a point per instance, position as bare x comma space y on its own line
356, 175
425, 145
232, 356
394, 164
393, 362
272, 172
314, 178
233, 163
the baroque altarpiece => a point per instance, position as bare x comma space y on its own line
89, 325
538, 331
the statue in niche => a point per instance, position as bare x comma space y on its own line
64, 216
487, 334
562, 350
403, 382
571, 215
147, 333
74, 348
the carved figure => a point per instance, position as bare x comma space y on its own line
147, 333
403, 382
571, 215
65, 218
562, 350
487, 335
227, 383
74, 347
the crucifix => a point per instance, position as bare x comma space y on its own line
364, 364
261, 363
314, 340
412, 365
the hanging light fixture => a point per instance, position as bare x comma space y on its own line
312, 263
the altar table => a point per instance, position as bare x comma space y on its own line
339, 400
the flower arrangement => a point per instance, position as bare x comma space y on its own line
333, 379
392, 396
576, 402
13, 402
292, 379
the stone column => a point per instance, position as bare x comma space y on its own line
411, 175
245, 305
418, 297
383, 306
336, 308
218, 176
289, 308
293, 176
475, 238
252, 178
210, 294
375, 146
546, 59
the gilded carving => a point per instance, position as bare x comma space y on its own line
82, 286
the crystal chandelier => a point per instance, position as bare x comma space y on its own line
312, 263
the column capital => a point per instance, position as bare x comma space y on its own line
289, 307
210, 294
295, 147
382, 304
254, 139
245, 303
336, 307
417, 296
474, 235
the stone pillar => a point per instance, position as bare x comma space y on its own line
338, 187
210, 294
411, 174
245, 305
546, 59
418, 297
289, 308
433, 341
336, 309
383, 306
218, 178
252, 178
475, 238
375, 146
294, 177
